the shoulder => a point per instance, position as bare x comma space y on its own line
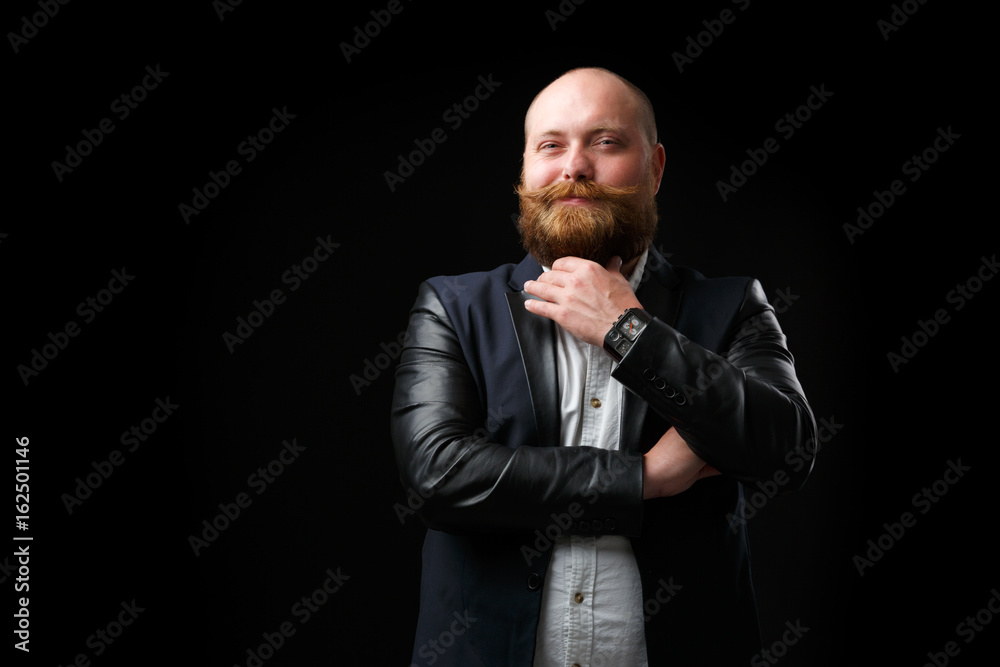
698, 288
474, 287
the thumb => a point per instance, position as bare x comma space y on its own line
614, 264
708, 471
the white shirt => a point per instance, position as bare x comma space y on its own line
592, 597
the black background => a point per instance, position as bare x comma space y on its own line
323, 176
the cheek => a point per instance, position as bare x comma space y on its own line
539, 175
620, 173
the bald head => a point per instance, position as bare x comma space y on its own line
601, 84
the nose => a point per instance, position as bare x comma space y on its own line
578, 165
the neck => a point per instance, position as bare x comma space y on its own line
627, 269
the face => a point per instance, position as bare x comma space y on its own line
589, 179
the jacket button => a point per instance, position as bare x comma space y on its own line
534, 581
610, 525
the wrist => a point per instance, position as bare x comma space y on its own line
625, 332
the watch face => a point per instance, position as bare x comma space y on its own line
631, 326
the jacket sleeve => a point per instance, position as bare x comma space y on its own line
743, 411
470, 483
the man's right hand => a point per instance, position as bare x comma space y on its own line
670, 467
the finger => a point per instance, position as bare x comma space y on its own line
570, 263
553, 277
542, 290
543, 308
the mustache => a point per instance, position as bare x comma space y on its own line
584, 189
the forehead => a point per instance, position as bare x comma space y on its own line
581, 103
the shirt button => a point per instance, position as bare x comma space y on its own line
595, 402
578, 598
576, 664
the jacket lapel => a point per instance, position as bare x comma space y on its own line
536, 340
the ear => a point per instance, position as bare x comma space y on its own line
659, 161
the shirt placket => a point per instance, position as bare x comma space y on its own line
584, 547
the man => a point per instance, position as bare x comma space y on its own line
581, 423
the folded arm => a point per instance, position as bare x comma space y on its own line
471, 483
743, 412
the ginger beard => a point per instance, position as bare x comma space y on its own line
621, 221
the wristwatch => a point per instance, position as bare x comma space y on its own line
625, 332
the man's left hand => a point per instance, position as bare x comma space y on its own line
582, 297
